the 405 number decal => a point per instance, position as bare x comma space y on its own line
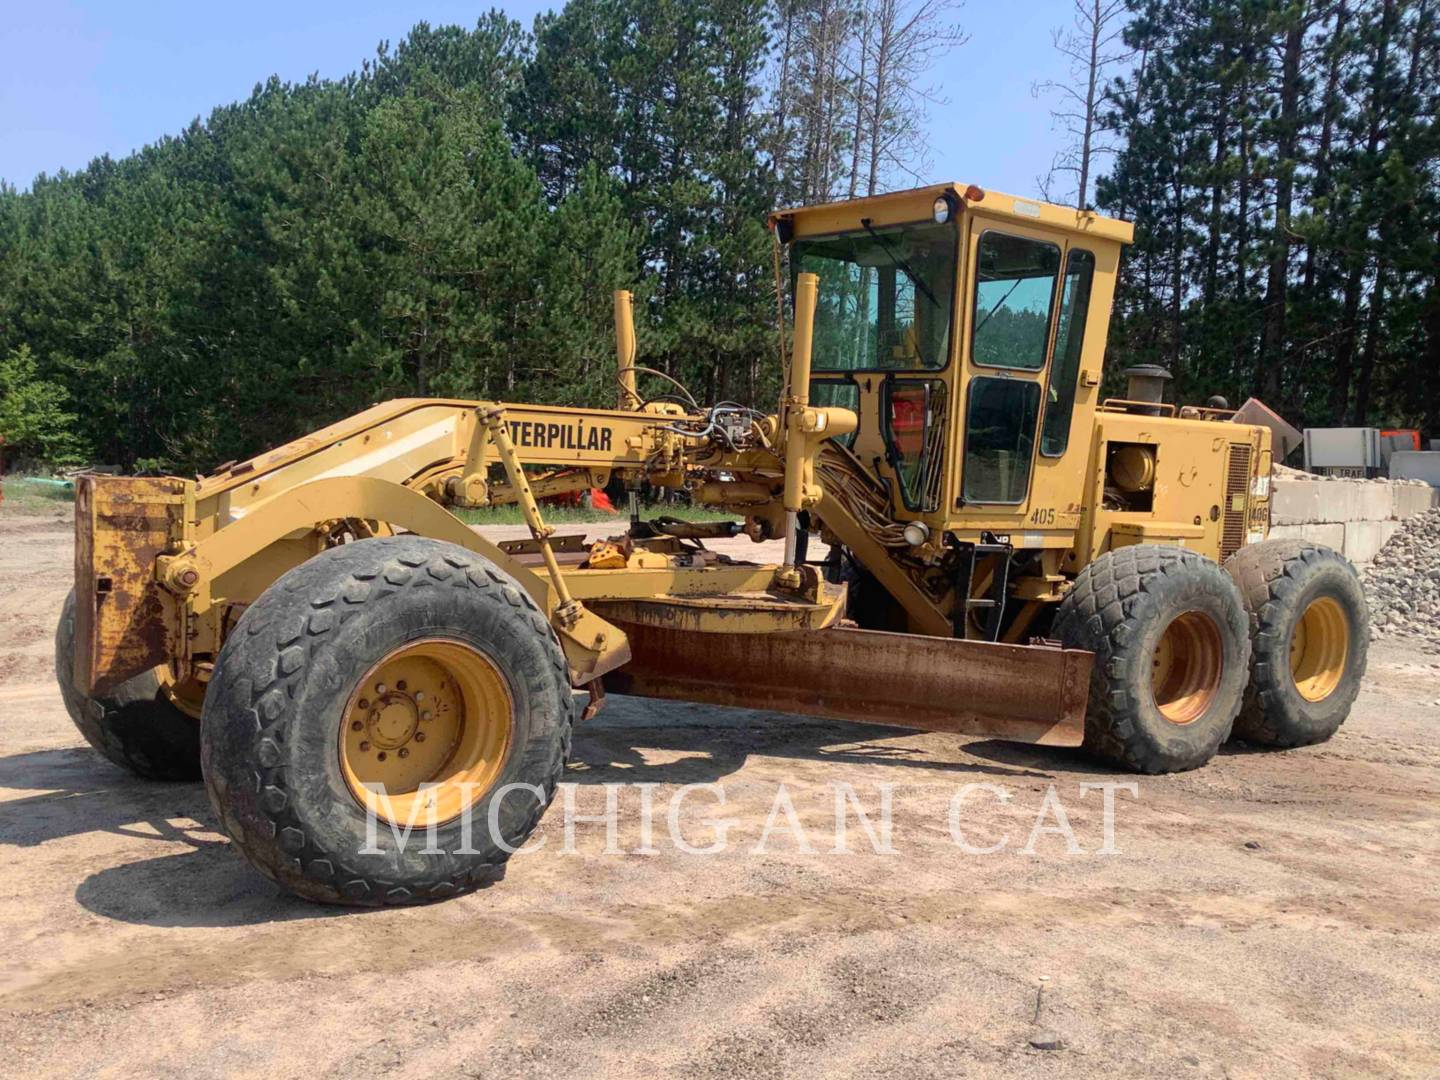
1043, 516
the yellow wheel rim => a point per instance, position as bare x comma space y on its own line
1189, 659
1319, 647
426, 732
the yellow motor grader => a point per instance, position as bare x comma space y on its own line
974, 542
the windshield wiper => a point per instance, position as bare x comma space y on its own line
898, 261
997, 307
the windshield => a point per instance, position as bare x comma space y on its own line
886, 294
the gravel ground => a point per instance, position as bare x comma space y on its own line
1272, 914
1403, 583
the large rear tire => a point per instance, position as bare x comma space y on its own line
1309, 632
402, 663
136, 726
1171, 651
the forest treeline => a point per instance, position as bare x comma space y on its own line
1281, 161
451, 218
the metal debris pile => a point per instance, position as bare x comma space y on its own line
1403, 582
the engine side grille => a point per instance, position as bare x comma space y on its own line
1237, 497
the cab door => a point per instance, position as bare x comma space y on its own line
1028, 287
1014, 279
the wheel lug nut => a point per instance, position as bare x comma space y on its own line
400, 685
419, 695
425, 715
404, 752
380, 688
366, 746
381, 756
356, 725
419, 736
362, 704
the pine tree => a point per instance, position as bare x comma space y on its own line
1280, 162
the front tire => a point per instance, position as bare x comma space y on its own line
1310, 634
136, 726
1171, 652
402, 663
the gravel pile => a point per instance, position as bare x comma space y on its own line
1403, 583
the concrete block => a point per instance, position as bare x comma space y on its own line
1294, 502
1363, 539
1372, 502
1337, 501
1416, 465
1407, 500
1331, 534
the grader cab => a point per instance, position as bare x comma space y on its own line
975, 542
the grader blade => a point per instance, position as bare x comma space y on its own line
1023, 693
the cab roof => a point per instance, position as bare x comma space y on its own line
916, 205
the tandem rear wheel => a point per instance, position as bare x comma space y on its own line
384, 684
1309, 627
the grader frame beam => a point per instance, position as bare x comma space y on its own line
705, 613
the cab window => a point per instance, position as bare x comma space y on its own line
886, 294
1014, 294
1069, 339
1000, 438
913, 416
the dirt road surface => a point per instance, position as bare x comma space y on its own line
1271, 914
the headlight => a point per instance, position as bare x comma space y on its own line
942, 210
916, 533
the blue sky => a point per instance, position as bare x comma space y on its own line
84, 78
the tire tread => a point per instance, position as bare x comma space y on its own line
1097, 615
1269, 575
135, 727
272, 654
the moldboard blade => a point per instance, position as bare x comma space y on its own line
1022, 693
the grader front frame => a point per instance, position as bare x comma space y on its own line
1008, 556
